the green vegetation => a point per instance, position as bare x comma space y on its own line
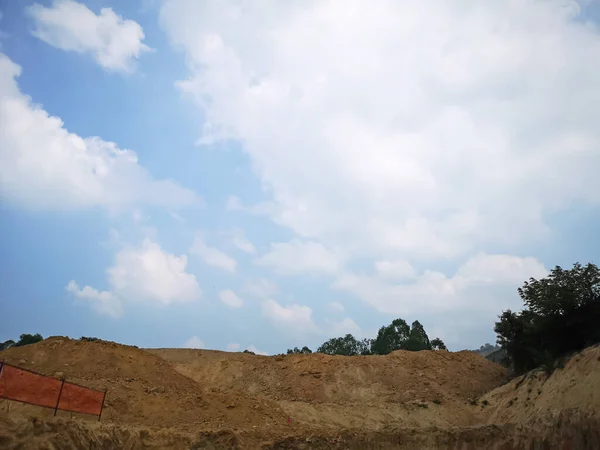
297, 351
24, 339
486, 349
396, 336
561, 316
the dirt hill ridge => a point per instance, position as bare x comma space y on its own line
202, 399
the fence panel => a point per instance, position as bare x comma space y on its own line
24, 386
81, 399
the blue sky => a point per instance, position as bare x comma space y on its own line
270, 175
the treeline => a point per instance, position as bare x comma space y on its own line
396, 336
24, 339
561, 316
486, 349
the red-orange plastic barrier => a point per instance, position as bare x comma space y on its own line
81, 399
25, 386
28, 387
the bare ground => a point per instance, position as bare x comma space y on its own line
200, 399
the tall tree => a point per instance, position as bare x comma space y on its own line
7, 344
438, 344
347, 346
390, 338
26, 339
561, 315
418, 339
299, 351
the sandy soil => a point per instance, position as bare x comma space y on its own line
200, 399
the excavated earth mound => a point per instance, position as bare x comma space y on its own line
200, 399
143, 389
539, 399
366, 392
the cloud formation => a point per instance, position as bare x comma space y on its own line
480, 284
393, 139
395, 132
295, 319
145, 273
212, 255
231, 299
43, 166
194, 342
237, 238
105, 302
297, 257
114, 43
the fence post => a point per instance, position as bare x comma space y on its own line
59, 394
102, 406
5, 386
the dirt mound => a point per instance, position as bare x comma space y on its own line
369, 392
200, 399
538, 397
60, 434
399, 377
142, 388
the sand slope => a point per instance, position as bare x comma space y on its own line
537, 397
367, 392
201, 399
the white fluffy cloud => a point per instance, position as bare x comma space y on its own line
231, 299
343, 327
212, 256
43, 166
145, 273
105, 302
297, 257
484, 283
236, 237
406, 130
194, 342
294, 318
149, 273
111, 40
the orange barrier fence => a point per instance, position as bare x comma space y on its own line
25, 386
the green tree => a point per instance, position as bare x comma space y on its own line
7, 344
417, 339
26, 339
303, 351
365, 346
347, 346
438, 344
390, 338
396, 336
561, 315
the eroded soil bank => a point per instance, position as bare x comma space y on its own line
567, 432
198, 399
